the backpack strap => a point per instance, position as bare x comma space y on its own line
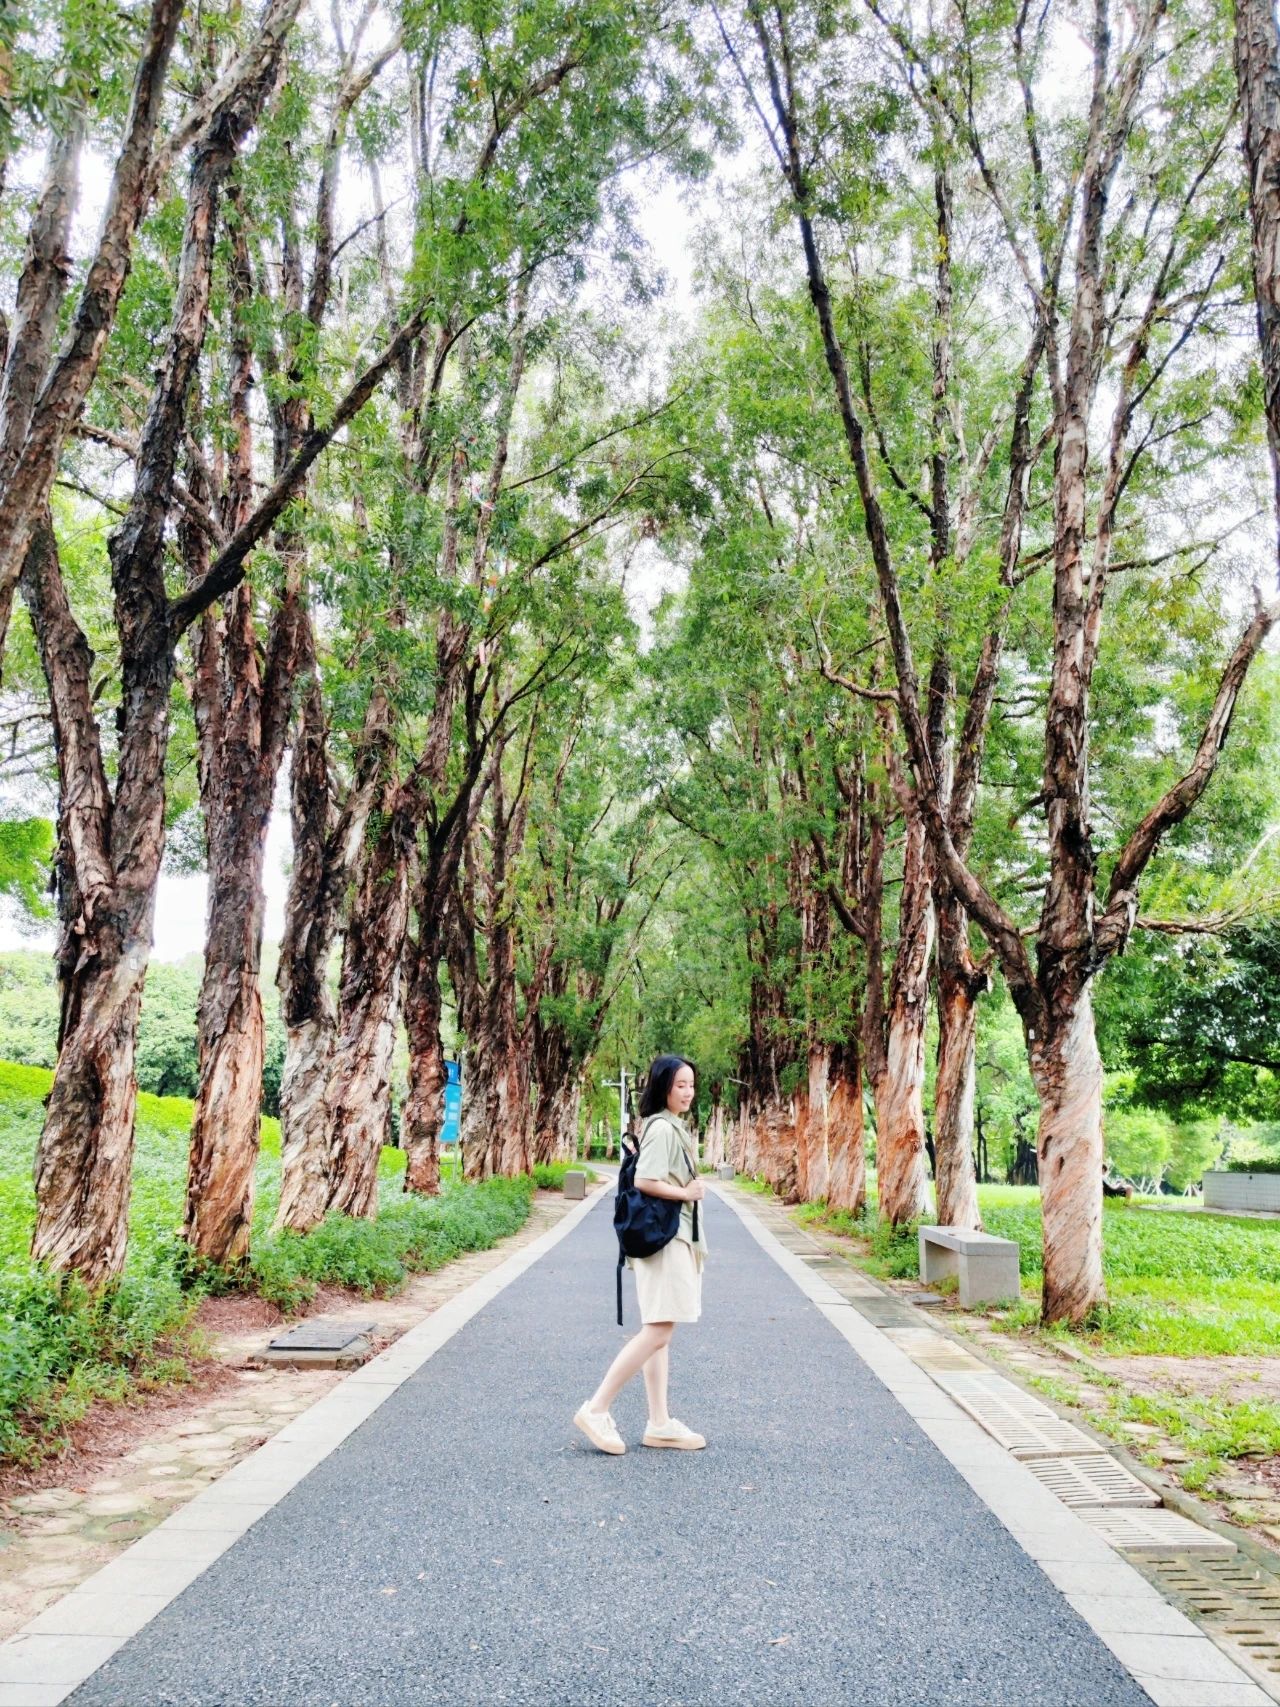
621, 1260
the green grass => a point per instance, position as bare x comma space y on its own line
60, 1349
1211, 1429
1179, 1284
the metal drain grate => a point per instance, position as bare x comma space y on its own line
1092, 1480
1154, 1532
1237, 1601
1022, 1426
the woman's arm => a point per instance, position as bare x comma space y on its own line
694, 1192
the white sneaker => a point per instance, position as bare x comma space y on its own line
673, 1433
600, 1429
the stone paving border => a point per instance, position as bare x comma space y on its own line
52, 1655
1163, 1651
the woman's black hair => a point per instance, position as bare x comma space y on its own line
657, 1087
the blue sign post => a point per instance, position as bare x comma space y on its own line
452, 1103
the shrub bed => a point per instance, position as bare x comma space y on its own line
60, 1348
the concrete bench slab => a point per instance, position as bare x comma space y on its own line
575, 1184
986, 1267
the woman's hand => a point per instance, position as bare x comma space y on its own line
695, 1192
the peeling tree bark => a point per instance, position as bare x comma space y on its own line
812, 1161
955, 1178
899, 1088
422, 1116
1067, 1070
325, 843
359, 1091
847, 1179
84, 1157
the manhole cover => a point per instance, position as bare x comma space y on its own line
1154, 1532
322, 1334
1092, 1480
1023, 1427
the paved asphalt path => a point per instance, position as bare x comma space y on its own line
465, 1545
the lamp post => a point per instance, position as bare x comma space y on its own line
620, 1085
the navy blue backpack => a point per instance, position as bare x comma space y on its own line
644, 1224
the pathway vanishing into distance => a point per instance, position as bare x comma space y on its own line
465, 1545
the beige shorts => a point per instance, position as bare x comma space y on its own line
669, 1285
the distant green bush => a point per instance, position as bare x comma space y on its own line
411, 1235
1266, 1165
167, 1063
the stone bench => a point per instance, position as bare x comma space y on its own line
725, 1170
986, 1267
575, 1184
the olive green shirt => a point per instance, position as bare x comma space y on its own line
666, 1153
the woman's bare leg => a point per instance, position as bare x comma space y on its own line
654, 1336
655, 1385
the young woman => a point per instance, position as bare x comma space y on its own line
668, 1284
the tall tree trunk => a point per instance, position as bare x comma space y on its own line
108, 866
899, 1086
242, 716
1067, 1071
84, 1160
306, 1002
228, 1112
555, 1125
812, 1162
325, 844
497, 1119
359, 1094
114, 848
557, 1091
715, 1153
423, 1113
776, 1143
954, 1178
1257, 57
497, 1114
239, 778
847, 1180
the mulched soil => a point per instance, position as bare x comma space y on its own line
107, 1431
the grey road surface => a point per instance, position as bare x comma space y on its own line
466, 1546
